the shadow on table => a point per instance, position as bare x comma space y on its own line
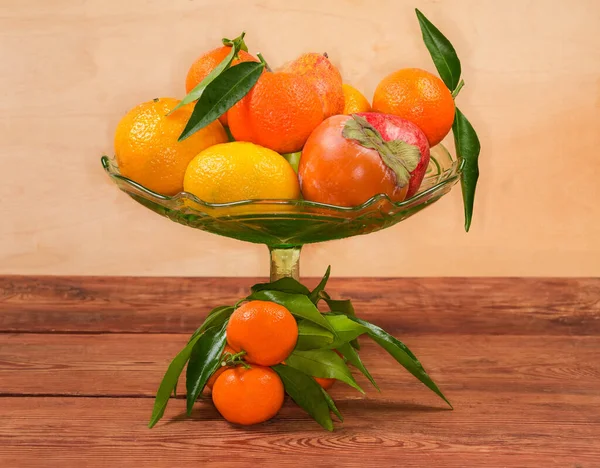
205, 411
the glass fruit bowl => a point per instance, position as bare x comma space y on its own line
286, 225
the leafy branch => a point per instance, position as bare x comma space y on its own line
325, 348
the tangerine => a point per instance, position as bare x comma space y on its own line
419, 97
266, 331
248, 396
324, 382
279, 112
206, 63
147, 147
354, 101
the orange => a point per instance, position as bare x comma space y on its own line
248, 396
265, 330
325, 382
207, 62
240, 171
147, 149
354, 101
419, 97
324, 77
220, 369
279, 112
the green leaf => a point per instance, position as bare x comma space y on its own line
402, 354
312, 336
195, 93
322, 363
315, 295
331, 405
204, 361
307, 394
442, 52
216, 318
353, 358
238, 42
298, 304
287, 285
468, 148
345, 329
169, 381
343, 307
221, 94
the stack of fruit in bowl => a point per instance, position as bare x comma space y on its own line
296, 137
247, 132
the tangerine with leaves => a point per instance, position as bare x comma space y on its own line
419, 97
207, 62
266, 331
279, 112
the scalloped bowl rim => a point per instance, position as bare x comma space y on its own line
444, 177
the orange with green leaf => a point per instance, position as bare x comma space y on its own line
279, 112
206, 64
279, 341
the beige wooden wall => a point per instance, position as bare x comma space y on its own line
70, 69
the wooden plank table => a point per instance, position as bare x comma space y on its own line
81, 357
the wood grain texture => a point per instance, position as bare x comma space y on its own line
112, 432
133, 365
177, 305
518, 359
72, 68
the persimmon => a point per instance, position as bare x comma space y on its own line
349, 159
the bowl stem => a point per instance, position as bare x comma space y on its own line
285, 263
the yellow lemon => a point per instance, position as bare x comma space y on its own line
147, 149
238, 171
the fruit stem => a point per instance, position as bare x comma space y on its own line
459, 86
238, 43
230, 358
234, 360
262, 59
